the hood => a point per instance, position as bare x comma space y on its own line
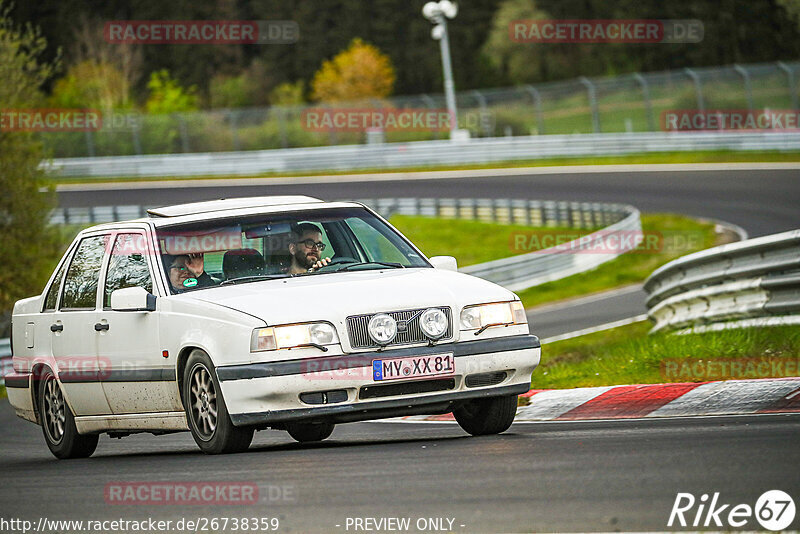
335, 296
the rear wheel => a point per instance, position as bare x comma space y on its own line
206, 412
308, 432
493, 415
58, 423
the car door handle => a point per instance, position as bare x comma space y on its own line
100, 326
56, 327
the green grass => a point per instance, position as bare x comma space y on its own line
628, 355
2, 392
718, 156
632, 267
470, 242
477, 242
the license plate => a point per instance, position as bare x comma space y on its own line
413, 367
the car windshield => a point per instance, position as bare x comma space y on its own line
281, 245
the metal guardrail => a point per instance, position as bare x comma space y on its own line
749, 283
5, 359
416, 154
516, 272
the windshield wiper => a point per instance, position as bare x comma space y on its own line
381, 263
255, 278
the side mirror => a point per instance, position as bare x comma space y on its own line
133, 299
448, 263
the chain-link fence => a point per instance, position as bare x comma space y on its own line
629, 103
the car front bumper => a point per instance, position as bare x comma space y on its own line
269, 394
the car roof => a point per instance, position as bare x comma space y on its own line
224, 208
225, 204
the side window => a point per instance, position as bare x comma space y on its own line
80, 285
52, 293
127, 266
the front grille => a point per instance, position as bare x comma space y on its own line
406, 388
359, 336
485, 379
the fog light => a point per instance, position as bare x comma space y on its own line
433, 322
382, 328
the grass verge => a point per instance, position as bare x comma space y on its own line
2, 392
476, 242
717, 156
681, 236
470, 242
628, 355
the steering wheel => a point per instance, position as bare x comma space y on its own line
337, 260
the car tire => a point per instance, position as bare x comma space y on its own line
58, 422
206, 412
481, 417
309, 432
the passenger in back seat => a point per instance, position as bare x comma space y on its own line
186, 271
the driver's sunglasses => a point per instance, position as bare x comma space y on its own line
179, 267
309, 243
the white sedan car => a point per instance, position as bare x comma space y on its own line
231, 316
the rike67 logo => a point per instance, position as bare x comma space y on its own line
774, 510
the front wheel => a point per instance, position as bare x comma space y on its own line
308, 432
206, 412
493, 415
58, 423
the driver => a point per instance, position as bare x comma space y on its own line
186, 271
305, 249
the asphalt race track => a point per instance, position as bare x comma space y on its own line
761, 201
586, 476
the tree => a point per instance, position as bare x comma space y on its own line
92, 85
28, 245
360, 72
288, 94
168, 96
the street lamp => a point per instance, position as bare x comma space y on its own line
438, 13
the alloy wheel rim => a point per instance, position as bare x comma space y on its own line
54, 411
203, 401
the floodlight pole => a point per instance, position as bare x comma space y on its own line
449, 86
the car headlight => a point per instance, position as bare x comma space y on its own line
483, 316
433, 322
294, 335
382, 328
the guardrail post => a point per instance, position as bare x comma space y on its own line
184, 134
790, 75
233, 116
748, 88
484, 113
431, 105
89, 143
537, 102
592, 102
648, 106
137, 140
281, 113
698, 88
